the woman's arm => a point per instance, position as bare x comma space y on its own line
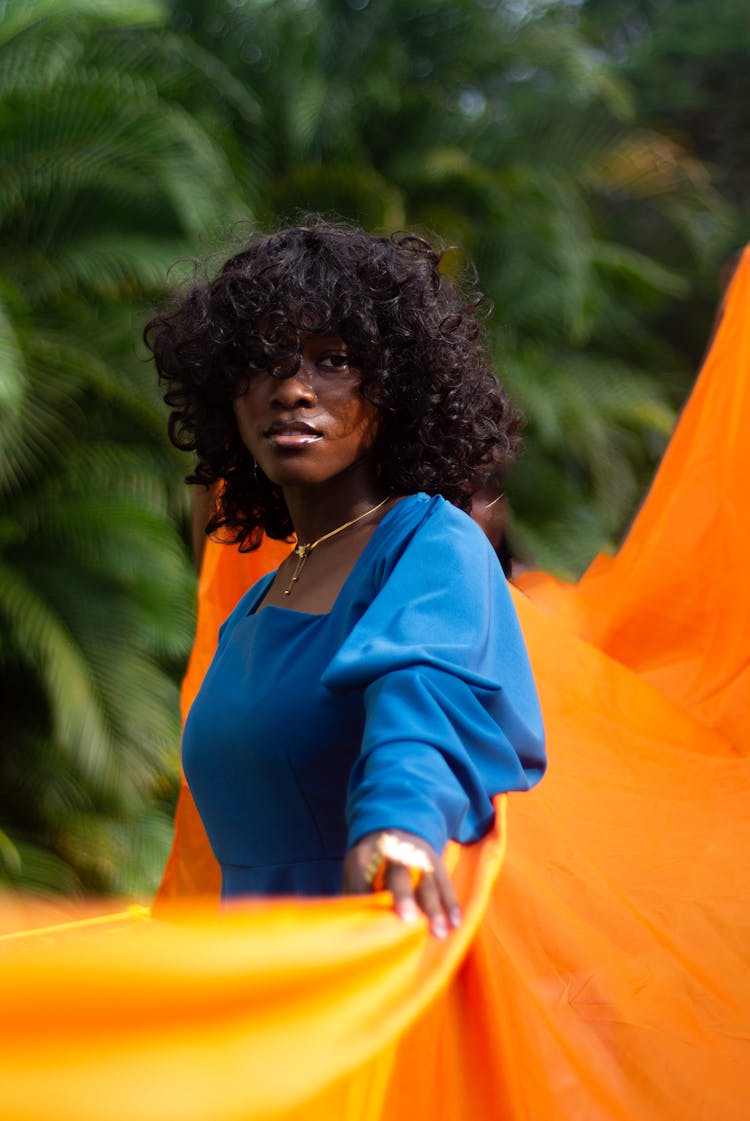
452, 715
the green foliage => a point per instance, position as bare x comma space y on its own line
104, 180
687, 66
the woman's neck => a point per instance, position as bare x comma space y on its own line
317, 510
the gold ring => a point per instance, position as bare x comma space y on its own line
390, 849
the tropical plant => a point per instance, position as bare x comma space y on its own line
104, 181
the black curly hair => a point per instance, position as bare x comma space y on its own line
416, 336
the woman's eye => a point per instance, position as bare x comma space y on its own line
334, 361
337, 361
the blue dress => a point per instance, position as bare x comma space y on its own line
407, 706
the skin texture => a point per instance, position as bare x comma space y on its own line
312, 434
306, 429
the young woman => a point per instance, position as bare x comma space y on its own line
367, 699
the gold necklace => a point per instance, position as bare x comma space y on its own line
302, 552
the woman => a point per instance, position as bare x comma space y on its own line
368, 698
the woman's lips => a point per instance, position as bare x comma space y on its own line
292, 435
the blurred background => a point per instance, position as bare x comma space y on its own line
592, 157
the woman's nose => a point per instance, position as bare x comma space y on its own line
297, 389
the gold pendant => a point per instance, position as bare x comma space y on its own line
301, 552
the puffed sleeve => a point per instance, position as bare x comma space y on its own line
451, 711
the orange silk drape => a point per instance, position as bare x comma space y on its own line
601, 972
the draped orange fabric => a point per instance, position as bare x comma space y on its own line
601, 972
225, 575
674, 604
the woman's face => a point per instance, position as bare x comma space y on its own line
310, 428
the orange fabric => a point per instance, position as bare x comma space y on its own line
226, 574
255, 1014
674, 604
601, 972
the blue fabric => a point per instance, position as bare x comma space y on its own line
408, 706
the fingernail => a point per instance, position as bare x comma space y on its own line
455, 916
439, 926
407, 911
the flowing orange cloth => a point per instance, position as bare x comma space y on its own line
602, 969
674, 604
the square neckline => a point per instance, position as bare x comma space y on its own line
257, 607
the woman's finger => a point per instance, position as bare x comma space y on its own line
356, 864
433, 895
398, 882
430, 900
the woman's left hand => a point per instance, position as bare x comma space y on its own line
433, 893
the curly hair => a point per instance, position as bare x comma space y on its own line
414, 331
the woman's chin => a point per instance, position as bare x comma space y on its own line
292, 475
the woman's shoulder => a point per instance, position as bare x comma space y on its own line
432, 539
432, 520
430, 591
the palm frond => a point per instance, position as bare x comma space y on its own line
79, 720
20, 17
12, 370
127, 855
30, 868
